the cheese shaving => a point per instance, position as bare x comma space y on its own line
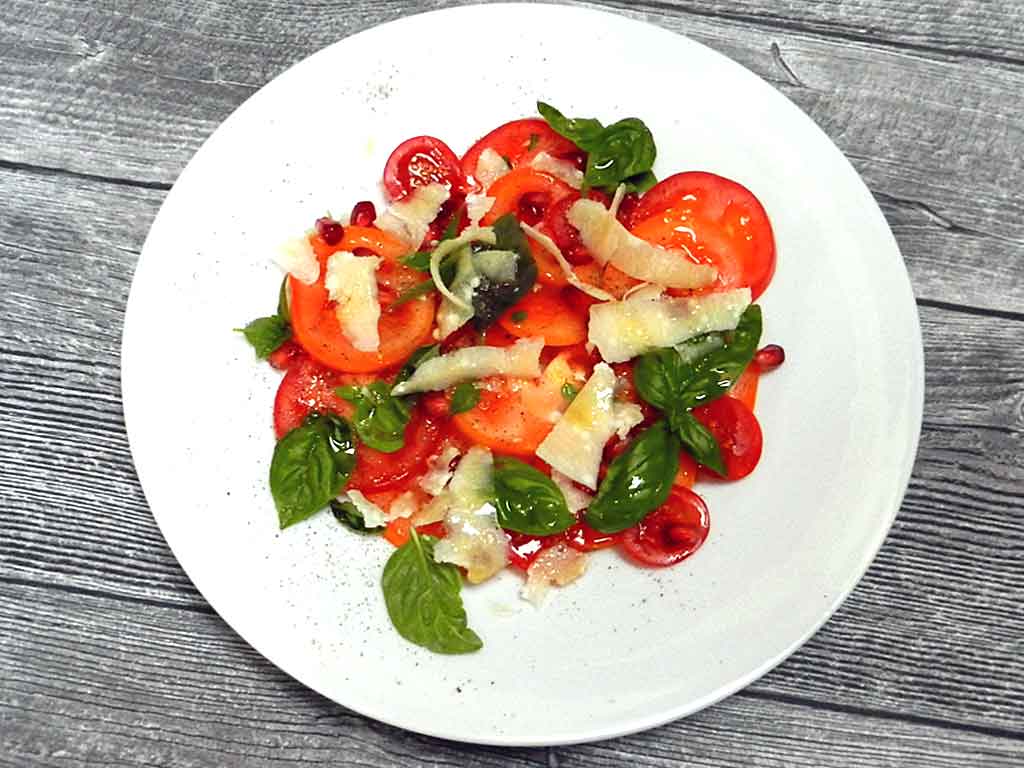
549, 245
522, 359
298, 259
351, 281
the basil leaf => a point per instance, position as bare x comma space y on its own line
711, 377
698, 441
491, 298
345, 512
659, 377
284, 310
641, 183
380, 418
422, 598
311, 465
464, 398
266, 334
416, 359
528, 501
638, 481
569, 392
625, 149
581, 131
423, 288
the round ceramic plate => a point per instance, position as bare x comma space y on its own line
623, 648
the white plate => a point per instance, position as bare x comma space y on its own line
624, 648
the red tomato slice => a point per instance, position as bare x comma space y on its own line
565, 235
671, 533
719, 221
402, 329
399, 530
420, 161
745, 388
519, 142
378, 471
737, 431
546, 313
285, 356
309, 386
526, 192
583, 538
524, 548
687, 474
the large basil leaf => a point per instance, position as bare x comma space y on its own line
711, 376
638, 480
346, 513
380, 418
582, 131
659, 377
311, 465
491, 298
422, 598
698, 441
528, 501
625, 149
266, 334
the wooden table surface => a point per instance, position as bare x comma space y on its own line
109, 656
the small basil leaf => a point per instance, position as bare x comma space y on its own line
422, 598
380, 419
464, 398
266, 334
424, 288
308, 469
638, 481
659, 376
345, 512
491, 298
711, 376
416, 359
569, 392
420, 260
342, 444
581, 131
284, 310
528, 501
698, 441
623, 150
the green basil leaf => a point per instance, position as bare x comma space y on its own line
464, 398
638, 481
625, 149
711, 376
698, 441
581, 131
380, 418
492, 298
518, 317
284, 310
659, 377
423, 601
311, 465
416, 359
569, 392
423, 288
528, 501
345, 512
266, 334
641, 183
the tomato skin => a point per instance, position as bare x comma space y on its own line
583, 538
378, 471
544, 312
519, 142
671, 533
309, 386
718, 220
737, 431
420, 161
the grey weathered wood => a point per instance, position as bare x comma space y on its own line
109, 656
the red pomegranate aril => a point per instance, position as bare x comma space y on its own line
769, 357
577, 158
330, 231
532, 206
364, 213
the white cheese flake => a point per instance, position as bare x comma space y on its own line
298, 259
373, 515
556, 566
621, 330
575, 499
490, 167
439, 470
351, 281
409, 219
560, 169
551, 247
611, 243
405, 505
522, 360
477, 206
575, 444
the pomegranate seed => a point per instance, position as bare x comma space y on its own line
532, 206
329, 230
769, 357
364, 213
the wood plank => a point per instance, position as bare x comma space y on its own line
93, 681
911, 121
948, 564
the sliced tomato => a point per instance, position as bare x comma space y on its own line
745, 387
399, 530
583, 538
527, 193
524, 548
514, 415
718, 220
687, 474
285, 356
519, 142
671, 533
378, 471
566, 236
737, 431
617, 282
402, 329
309, 386
547, 314
420, 161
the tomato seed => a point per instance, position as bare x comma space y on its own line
769, 357
364, 213
532, 206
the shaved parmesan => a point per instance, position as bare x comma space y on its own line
575, 444
522, 359
560, 169
549, 245
298, 259
490, 167
351, 281
621, 330
373, 515
575, 499
439, 470
457, 302
405, 505
556, 566
477, 207
610, 243
475, 541
409, 219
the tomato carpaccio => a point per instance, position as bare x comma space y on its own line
481, 366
